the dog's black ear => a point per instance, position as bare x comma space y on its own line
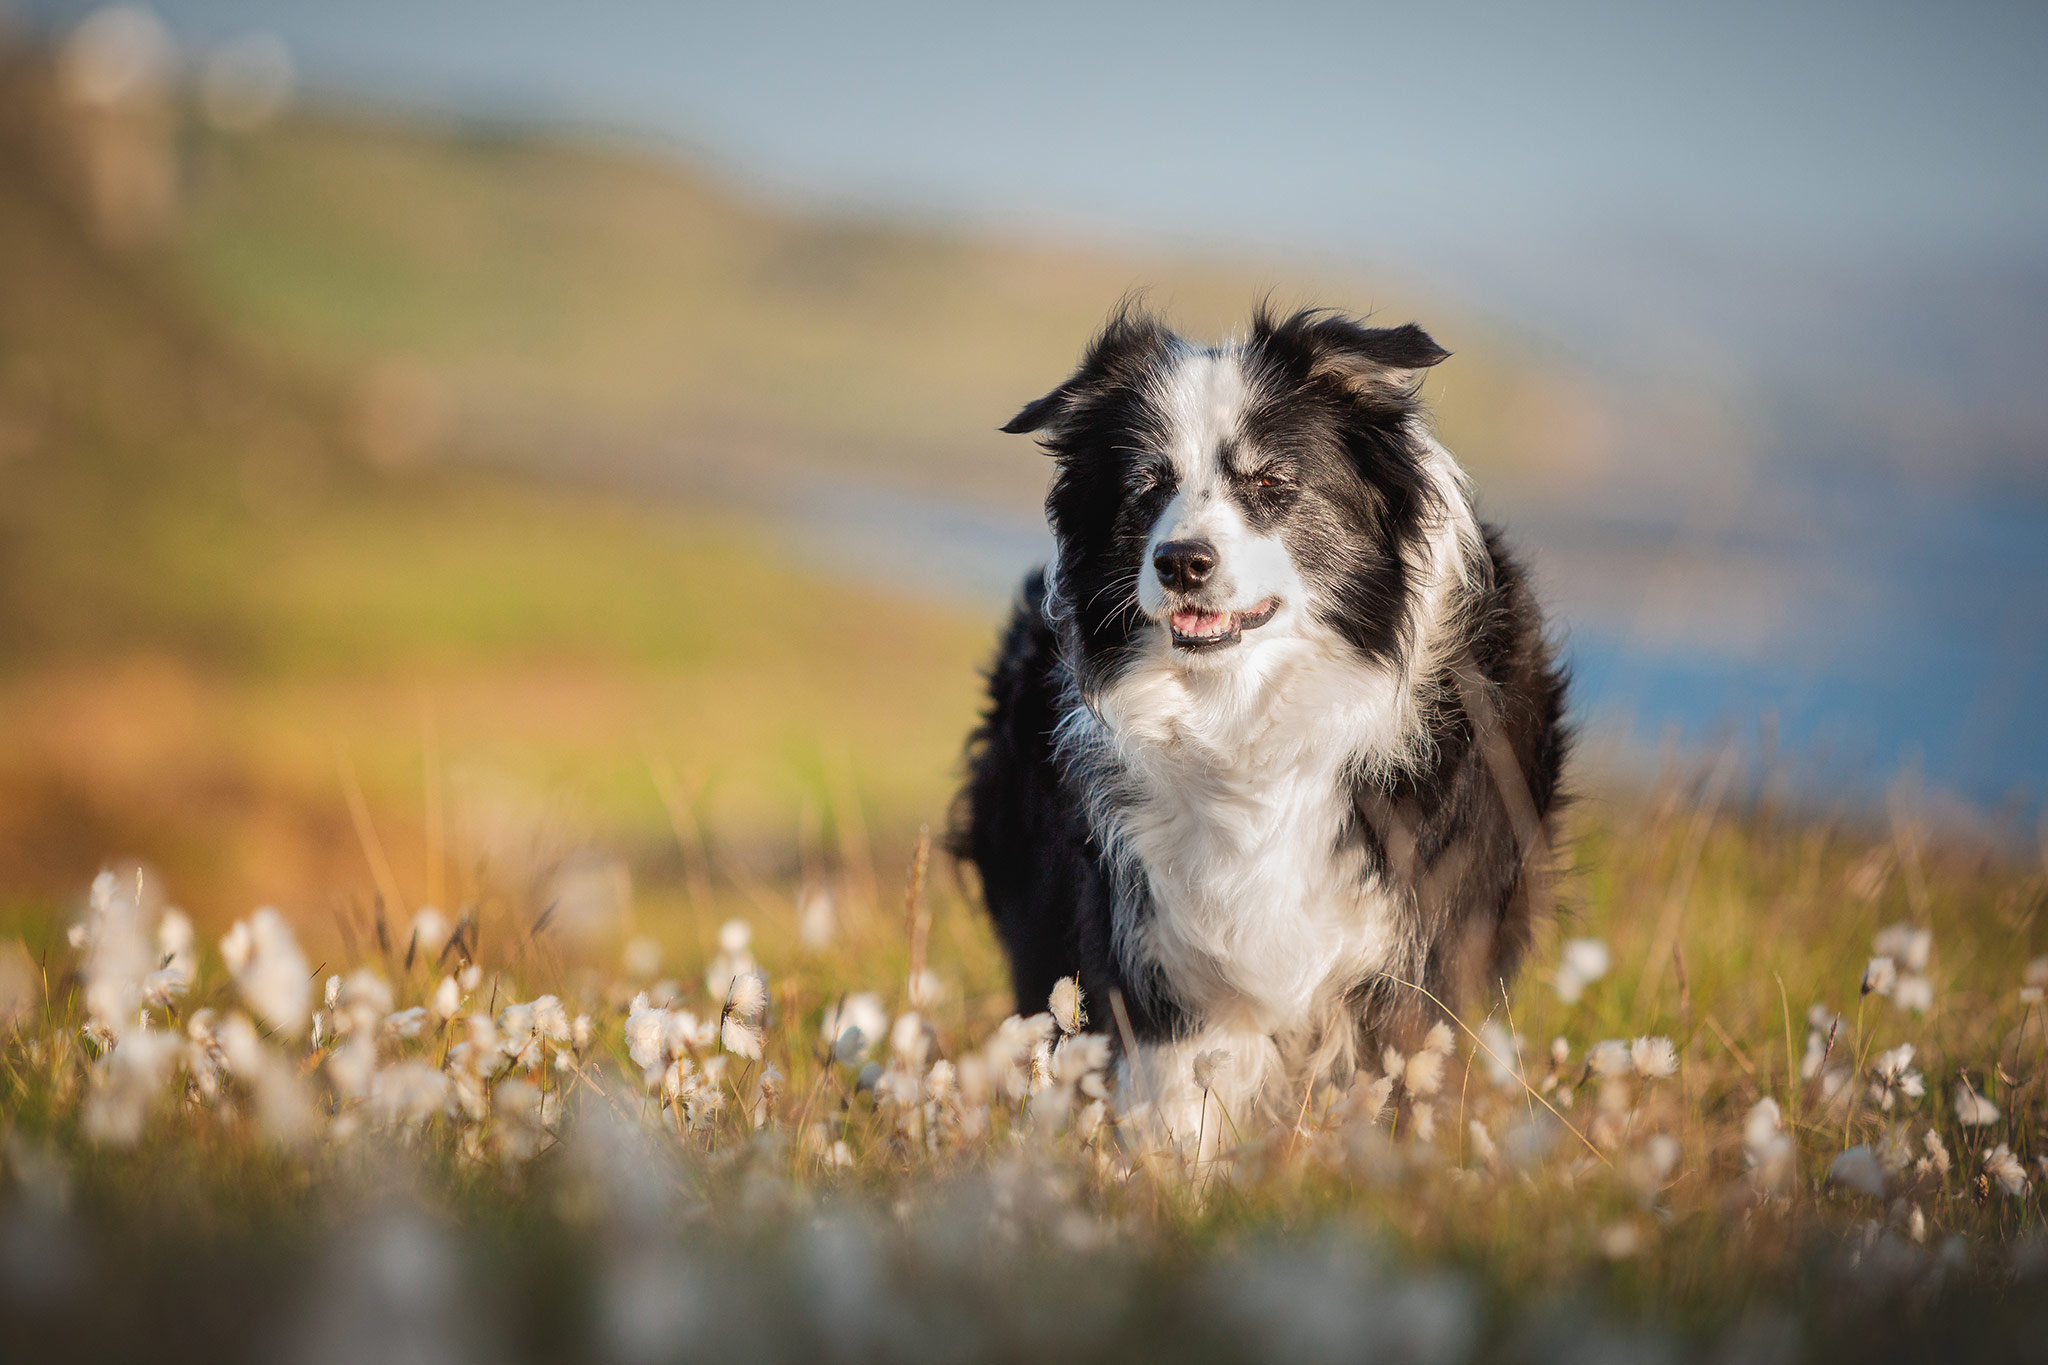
1127, 343
1038, 415
1375, 362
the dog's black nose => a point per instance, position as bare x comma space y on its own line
1184, 565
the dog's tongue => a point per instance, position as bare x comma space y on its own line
1193, 625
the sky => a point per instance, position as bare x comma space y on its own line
1414, 131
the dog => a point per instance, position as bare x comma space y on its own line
1272, 745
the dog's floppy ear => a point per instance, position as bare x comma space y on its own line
1374, 362
1039, 414
1126, 343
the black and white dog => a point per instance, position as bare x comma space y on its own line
1274, 740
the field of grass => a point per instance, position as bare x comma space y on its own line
593, 824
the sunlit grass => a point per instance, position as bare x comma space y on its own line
1634, 1196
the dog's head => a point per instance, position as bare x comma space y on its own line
1212, 500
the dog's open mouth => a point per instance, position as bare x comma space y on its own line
1194, 629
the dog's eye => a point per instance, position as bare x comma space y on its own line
1267, 479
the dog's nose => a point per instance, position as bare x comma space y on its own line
1184, 565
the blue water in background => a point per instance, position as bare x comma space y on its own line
1915, 643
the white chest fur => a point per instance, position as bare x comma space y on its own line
1229, 795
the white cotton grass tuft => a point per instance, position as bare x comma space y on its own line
733, 959
1915, 993
1581, 962
1906, 951
1767, 1148
862, 1014
2006, 1173
1858, 1169
747, 997
1208, 1064
1502, 1052
1972, 1109
910, 1039
1068, 1009
2034, 981
407, 1094
1611, 1057
127, 1083
1935, 1165
271, 972
429, 933
740, 1038
1423, 1073
116, 945
1893, 1078
1909, 946
1654, 1058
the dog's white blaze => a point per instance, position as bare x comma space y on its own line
1203, 399
1231, 787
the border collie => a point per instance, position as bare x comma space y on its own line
1274, 740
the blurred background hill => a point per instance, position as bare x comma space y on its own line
424, 451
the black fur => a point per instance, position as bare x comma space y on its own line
1329, 458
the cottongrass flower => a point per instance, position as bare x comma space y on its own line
428, 937
861, 1014
1610, 1058
2034, 981
285, 1112
740, 1038
1935, 1165
1581, 962
733, 959
177, 961
1881, 977
1893, 1077
358, 1002
1069, 1011
746, 1000
1823, 1026
644, 1030
117, 955
1654, 1058
1858, 1169
127, 1082
271, 972
2005, 1171
520, 1127
1208, 1063
1484, 1152
1972, 1109
408, 1095
524, 1047
910, 1040
1503, 1053
447, 1001
1915, 993
350, 1065
1911, 949
1767, 1148
1423, 1073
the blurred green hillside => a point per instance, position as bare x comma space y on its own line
217, 612
446, 462
600, 310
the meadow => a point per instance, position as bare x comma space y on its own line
614, 1004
